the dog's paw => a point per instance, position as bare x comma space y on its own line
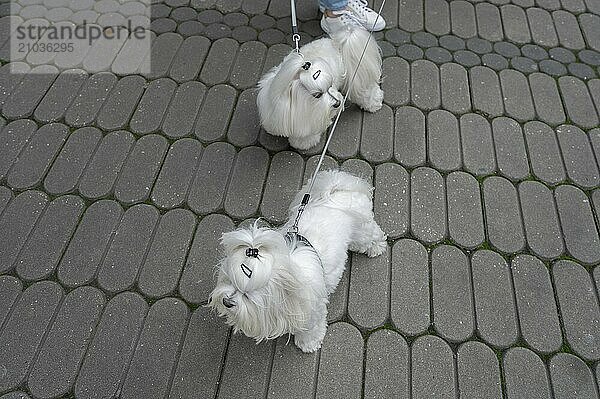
308, 346
376, 248
375, 101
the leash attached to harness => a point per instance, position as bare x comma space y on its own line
295, 34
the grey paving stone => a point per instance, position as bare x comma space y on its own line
60, 95
357, 167
88, 102
515, 24
244, 34
574, 6
494, 299
10, 80
185, 105
594, 135
247, 181
342, 345
161, 54
40, 255
174, 179
544, 153
525, 375
53, 374
391, 199
582, 71
571, 377
338, 300
387, 365
428, 205
517, 97
542, 27
410, 17
163, 25
456, 97
262, 22
467, 58
346, 145
98, 179
510, 148
443, 141
479, 45
567, 28
548, 104
13, 138
478, 371
396, 81
128, 248
590, 25
24, 330
424, 39
534, 52
18, 220
377, 139
433, 369
35, 159
397, 36
477, 145
190, 28
410, 287
503, 217
561, 55
485, 91
121, 103
507, 49
489, 23
425, 84
524, 64
26, 96
437, 17
453, 316
163, 264
72, 160
462, 15
577, 220
103, 369
245, 122
578, 307
271, 36
157, 348
10, 289
140, 169
152, 108
549, 4
86, 249
594, 87
219, 61
274, 56
578, 156
248, 65
465, 215
410, 52
189, 59
536, 305
181, 14
541, 221
283, 182
6, 195
207, 190
438, 55
203, 349
589, 57
452, 43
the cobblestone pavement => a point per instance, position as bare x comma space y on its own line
114, 191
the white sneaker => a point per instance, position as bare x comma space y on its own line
366, 16
344, 20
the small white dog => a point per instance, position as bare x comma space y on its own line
272, 283
299, 98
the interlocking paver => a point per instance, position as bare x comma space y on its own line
515, 24
60, 95
13, 138
246, 183
140, 169
485, 91
357, 167
456, 97
213, 118
248, 65
517, 97
164, 262
425, 84
538, 315
525, 375
85, 251
72, 160
17, 222
578, 156
477, 145
377, 141
494, 299
387, 366
577, 221
121, 102
409, 137
128, 248
465, 214
503, 217
152, 108
489, 23
53, 374
433, 369
396, 81
346, 145
189, 58
590, 25
6, 195
129, 58
544, 153
107, 359
177, 173
342, 345
428, 205
369, 289
478, 371
452, 295
197, 372
410, 17
338, 300
443, 141
542, 27
162, 53
462, 14
87, 104
10, 76
35, 159
571, 377
510, 148
40, 255
578, 307
26, 96
578, 102
437, 17
283, 182
567, 28
185, 105
410, 287
219, 61
548, 104
245, 122
24, 330
10, 289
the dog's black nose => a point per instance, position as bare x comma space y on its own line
228, 303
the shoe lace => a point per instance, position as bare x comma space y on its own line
361, 5
350, 19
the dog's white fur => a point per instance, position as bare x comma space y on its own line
286, 99
289, 287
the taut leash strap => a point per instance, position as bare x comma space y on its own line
295, 34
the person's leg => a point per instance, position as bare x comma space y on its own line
332, 5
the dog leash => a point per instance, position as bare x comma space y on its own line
295, 33
306, 198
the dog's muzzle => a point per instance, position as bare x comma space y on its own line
228, 303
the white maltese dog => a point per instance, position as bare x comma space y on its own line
299, 98
273, 283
